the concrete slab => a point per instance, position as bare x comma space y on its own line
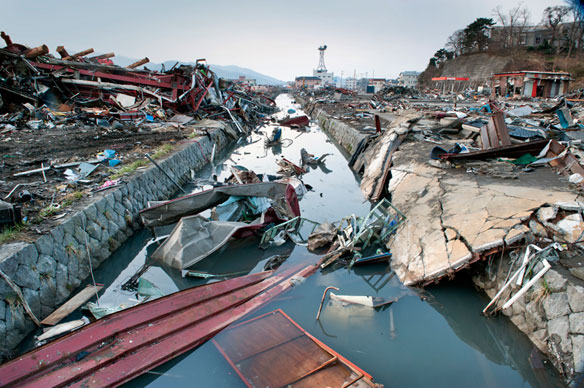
452, 215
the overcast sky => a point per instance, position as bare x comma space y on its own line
277, 38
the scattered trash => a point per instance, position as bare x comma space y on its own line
368, 301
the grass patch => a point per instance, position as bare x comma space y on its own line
11, 233
128, 169
48, 211
162, 151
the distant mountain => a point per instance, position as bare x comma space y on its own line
227, 72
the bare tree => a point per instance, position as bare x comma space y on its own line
455, 43
553, 17
513, 24
576, 32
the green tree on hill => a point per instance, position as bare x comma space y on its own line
476, 35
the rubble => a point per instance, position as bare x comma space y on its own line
58, 113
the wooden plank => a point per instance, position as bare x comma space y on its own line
257, 336
485, 138
493, 137
71, 305
288, 362
501, 128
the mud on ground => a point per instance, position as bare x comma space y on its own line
25, 149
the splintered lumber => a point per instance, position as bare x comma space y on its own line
61, 328
37, 51
141, 62
103, 56
79, 54
6, 38
71, 305
62, 52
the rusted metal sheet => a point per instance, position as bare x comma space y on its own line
53, 354
124, 345
303, 361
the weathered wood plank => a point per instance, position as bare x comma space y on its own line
71, 305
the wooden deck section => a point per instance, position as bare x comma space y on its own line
273, 351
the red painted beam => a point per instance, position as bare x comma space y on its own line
60, 350
152, 338
162, 81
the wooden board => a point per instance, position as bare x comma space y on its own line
71, 305
273, 351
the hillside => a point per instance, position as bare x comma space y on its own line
479, 67
228, 72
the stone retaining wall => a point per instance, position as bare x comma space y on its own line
551, 313
48, 270
343, 133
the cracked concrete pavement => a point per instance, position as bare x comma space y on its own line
454, 216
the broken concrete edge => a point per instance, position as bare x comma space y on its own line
50, 269
551, 314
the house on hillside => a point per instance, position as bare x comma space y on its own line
307, 81
535, 36
408, 79
527, 83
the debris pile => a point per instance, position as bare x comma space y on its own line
78, 123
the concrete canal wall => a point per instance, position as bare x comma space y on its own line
45, 272
347, 136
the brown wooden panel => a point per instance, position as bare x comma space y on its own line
284, 364
256, 336
333, 376
485, 138
493, 138
501, 129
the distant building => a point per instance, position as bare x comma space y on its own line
392, 82
307, 82
408, 79
326, 77
247, 81
527, 83
377, 83
351, 83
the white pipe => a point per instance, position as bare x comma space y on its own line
525, 262
546, 267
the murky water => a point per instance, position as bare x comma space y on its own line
433, 338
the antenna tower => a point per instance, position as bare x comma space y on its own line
321, 67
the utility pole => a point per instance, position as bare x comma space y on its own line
341, 85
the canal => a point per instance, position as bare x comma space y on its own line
436, 337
